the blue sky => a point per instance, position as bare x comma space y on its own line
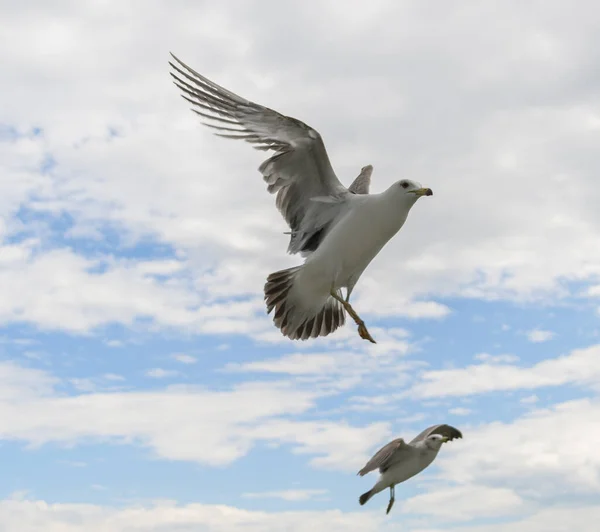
143, 386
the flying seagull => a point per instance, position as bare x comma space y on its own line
337, 231
398, 461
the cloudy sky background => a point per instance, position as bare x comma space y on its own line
142, 386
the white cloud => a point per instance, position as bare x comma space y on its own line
183, 358
20, 383
539, 454
181, 423
62, 290
297, 364
594, 291
288, 495
465, 503
537, 336
24, 515
350, 363
114, 343
113, 377
460, 411
529, 400
338, 446
371, 403
553, 519
105, 382
84, 385
160, 373
496, 359
581, 366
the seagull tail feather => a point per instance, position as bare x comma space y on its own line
365, 497
292, 316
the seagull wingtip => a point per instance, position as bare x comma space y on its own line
174, 57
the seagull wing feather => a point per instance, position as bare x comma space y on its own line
389, 454
443, 430
362, 183
299, 170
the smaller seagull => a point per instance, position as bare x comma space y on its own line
398, 461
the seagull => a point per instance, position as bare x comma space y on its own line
336, 230
398, 461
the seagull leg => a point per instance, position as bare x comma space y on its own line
362, 328
392, 499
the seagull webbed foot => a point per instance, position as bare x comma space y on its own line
363, 332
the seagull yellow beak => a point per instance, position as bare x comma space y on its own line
423, 192
444, 438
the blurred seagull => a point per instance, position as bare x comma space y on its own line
339, 231
398, 461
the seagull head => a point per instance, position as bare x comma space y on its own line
413, 190
434, 442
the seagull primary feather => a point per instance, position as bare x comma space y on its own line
398, 461
362, 183
338, 231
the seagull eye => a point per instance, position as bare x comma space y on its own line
404, 184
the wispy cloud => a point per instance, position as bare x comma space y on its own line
160, 373
460, 411
211, 427
113, 377
288, 495
183, 358
529, 399
581, 366
23, 513
496, 359
537, 336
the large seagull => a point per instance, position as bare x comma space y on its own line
338, 230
